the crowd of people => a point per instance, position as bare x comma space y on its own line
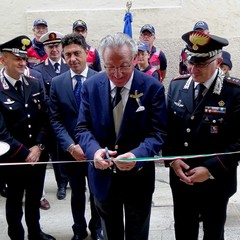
64, 100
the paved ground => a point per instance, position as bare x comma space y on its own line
57, 220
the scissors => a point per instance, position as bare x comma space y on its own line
109, 158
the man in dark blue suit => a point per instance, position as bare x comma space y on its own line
64, 108
122, 186
53, 66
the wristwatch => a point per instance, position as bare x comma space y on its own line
41, 146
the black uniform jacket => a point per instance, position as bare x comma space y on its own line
23, 120
210, 127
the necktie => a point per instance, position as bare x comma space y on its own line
18, 86
56, 69
117, 109
199, 93
77, 89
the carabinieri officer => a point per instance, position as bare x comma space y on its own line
204, 116
23, 121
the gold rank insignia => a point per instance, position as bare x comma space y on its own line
198, 39
25, 43
221, 103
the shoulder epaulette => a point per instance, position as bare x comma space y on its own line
40, 63
182, 77
233, 80
30, 77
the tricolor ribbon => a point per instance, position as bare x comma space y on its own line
158, 159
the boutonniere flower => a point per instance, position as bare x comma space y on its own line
137, 96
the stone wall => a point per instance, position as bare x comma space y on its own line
171, 18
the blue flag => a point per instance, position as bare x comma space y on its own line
128, 24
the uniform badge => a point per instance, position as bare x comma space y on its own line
221, 103
9, 102
214, 129
179, 103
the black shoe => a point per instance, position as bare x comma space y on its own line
41, 236
61, 193
79, 237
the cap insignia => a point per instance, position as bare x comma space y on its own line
25, 42
52, 36
198, 39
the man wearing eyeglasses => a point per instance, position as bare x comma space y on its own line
123, 110
204, 116
157, 58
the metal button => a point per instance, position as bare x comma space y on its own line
214, 121
29, 126
26, 105
30, 135
186, 144
28, 116
188, 130
192, 117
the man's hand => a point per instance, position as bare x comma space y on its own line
99, 159
34, 154
78, 153
198, 174
125, 165
180, 168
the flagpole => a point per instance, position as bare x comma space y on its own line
128, 20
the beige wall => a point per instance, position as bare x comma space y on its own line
171, 19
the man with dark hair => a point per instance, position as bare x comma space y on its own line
51, 67
65, 98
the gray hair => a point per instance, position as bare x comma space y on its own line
117, 40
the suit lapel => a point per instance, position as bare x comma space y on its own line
186, 94
11, 92
27, 89
131, 105
49, 69
105, 93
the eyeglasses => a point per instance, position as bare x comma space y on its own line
122, 69
198, 65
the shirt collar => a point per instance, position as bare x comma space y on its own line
52, 62
127, 85
83, 73
11, 80
209, 82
